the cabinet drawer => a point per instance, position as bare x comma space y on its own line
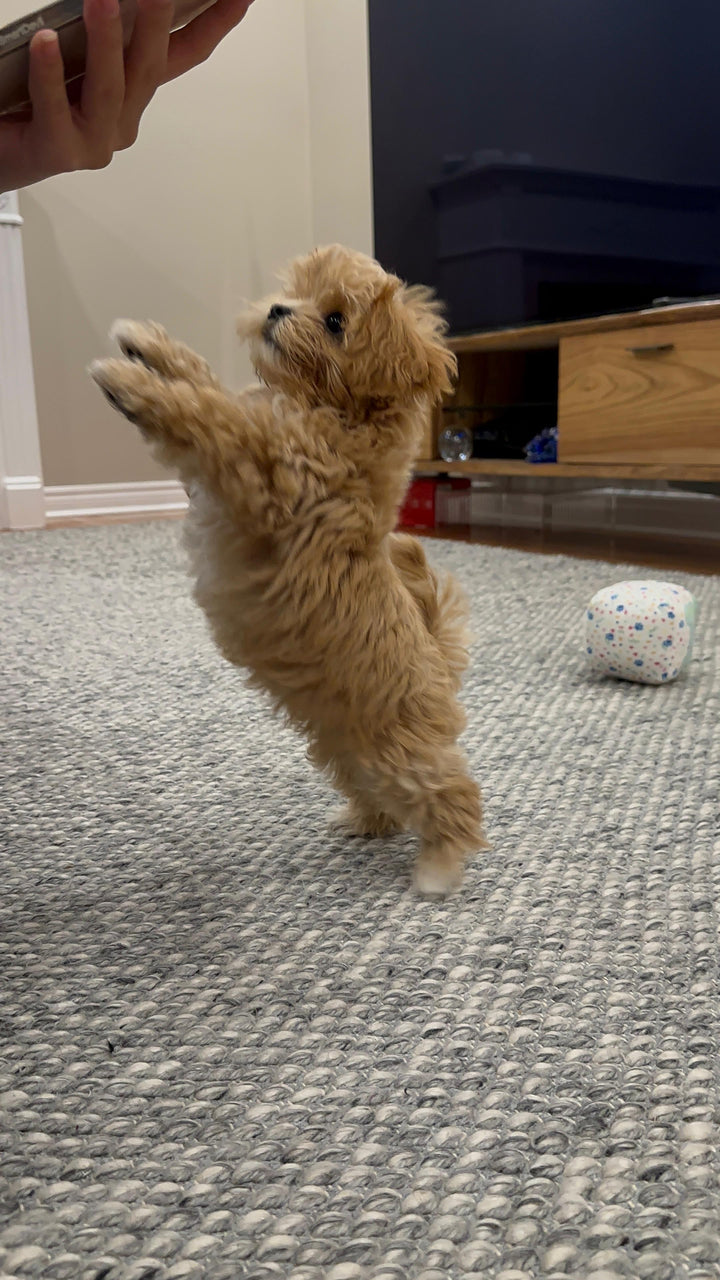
644, 394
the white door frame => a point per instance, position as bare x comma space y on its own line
22, 496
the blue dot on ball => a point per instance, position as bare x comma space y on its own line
590, 614
664, 675
638, 626
609, 635
670, 613
620, 608
589, 649
638, 662
682, 624
667, 644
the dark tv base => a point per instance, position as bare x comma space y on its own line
517, 243
499, 290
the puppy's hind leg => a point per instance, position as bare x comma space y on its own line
441, 600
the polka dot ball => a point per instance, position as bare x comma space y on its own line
640, 631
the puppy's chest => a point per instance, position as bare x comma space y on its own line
225, 563
274, 611
245, 586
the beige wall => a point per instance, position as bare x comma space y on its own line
339, 125
252, 158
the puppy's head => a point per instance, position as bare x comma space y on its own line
345, 333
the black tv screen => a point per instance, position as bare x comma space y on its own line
539, 162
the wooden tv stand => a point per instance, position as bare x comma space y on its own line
638, 394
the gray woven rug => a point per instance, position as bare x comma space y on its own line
233, 1045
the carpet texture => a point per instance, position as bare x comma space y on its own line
233, 1045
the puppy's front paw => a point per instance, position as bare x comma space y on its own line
138, 341
149, 344
116, 379
138, 393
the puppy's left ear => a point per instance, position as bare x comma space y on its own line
422, 361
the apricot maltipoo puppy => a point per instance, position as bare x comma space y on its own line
294, 488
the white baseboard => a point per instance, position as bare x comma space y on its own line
138, 497
22, 502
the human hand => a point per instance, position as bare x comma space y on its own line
69, 130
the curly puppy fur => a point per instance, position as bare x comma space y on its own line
294, 492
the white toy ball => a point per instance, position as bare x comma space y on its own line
640, 631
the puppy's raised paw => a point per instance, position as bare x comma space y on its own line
110, 376
150, 345
137, 341
134, 390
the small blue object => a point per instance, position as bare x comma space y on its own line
543, 447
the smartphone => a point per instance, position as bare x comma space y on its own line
65, 17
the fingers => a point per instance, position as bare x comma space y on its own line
103, 90
60, 135
145, 63
61, 138
51, 118
194, 43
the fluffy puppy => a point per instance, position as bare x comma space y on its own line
294, 492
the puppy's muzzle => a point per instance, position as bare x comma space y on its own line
275, 315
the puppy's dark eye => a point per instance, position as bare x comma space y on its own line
335, 323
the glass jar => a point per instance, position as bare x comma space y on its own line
455, 443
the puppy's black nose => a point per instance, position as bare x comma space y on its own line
277, 311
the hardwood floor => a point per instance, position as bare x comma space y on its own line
689, 555
75, 522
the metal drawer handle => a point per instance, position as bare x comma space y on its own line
655, 349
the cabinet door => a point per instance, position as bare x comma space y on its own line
646, 394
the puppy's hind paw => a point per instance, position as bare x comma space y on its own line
435, 877
340, 821
348, 821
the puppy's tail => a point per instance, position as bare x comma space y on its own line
441, 600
